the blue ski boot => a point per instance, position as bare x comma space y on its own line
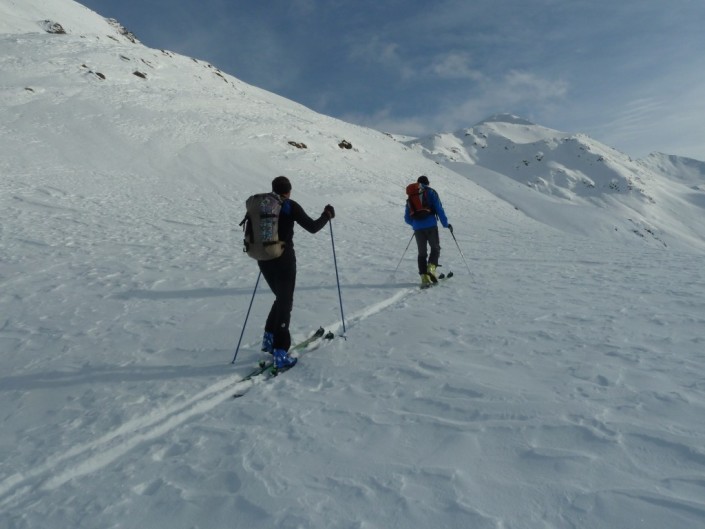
268, 342
282, 359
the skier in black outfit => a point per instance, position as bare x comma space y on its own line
280, 273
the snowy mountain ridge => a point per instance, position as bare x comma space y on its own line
578, 169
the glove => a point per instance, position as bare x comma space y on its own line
450, 227
330, 211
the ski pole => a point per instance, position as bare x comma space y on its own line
461, 252
402, 255
246, 317
337, 279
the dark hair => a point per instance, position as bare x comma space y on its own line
423, 180
281, 185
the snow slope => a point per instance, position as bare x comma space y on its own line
556, 381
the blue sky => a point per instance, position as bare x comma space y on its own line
629, 73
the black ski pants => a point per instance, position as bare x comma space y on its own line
280, 275
425, 238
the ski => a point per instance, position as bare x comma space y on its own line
261, 368
267, 367
264, 365
315, 336
439, 279
274, 370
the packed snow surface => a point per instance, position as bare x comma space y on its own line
556, 381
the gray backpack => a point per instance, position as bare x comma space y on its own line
261, 227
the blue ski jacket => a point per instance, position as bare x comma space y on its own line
430, 221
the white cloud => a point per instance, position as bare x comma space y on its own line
383, 120
636, 115
378, 51
455, 65
519, 86
666, 124
514, 92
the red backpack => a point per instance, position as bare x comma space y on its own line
418, 201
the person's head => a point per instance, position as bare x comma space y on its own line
423, 180
281, 185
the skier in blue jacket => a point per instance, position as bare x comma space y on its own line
425, 228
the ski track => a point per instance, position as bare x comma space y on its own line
373, 309
92, 456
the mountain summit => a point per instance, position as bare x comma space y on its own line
511, 119
611, 191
